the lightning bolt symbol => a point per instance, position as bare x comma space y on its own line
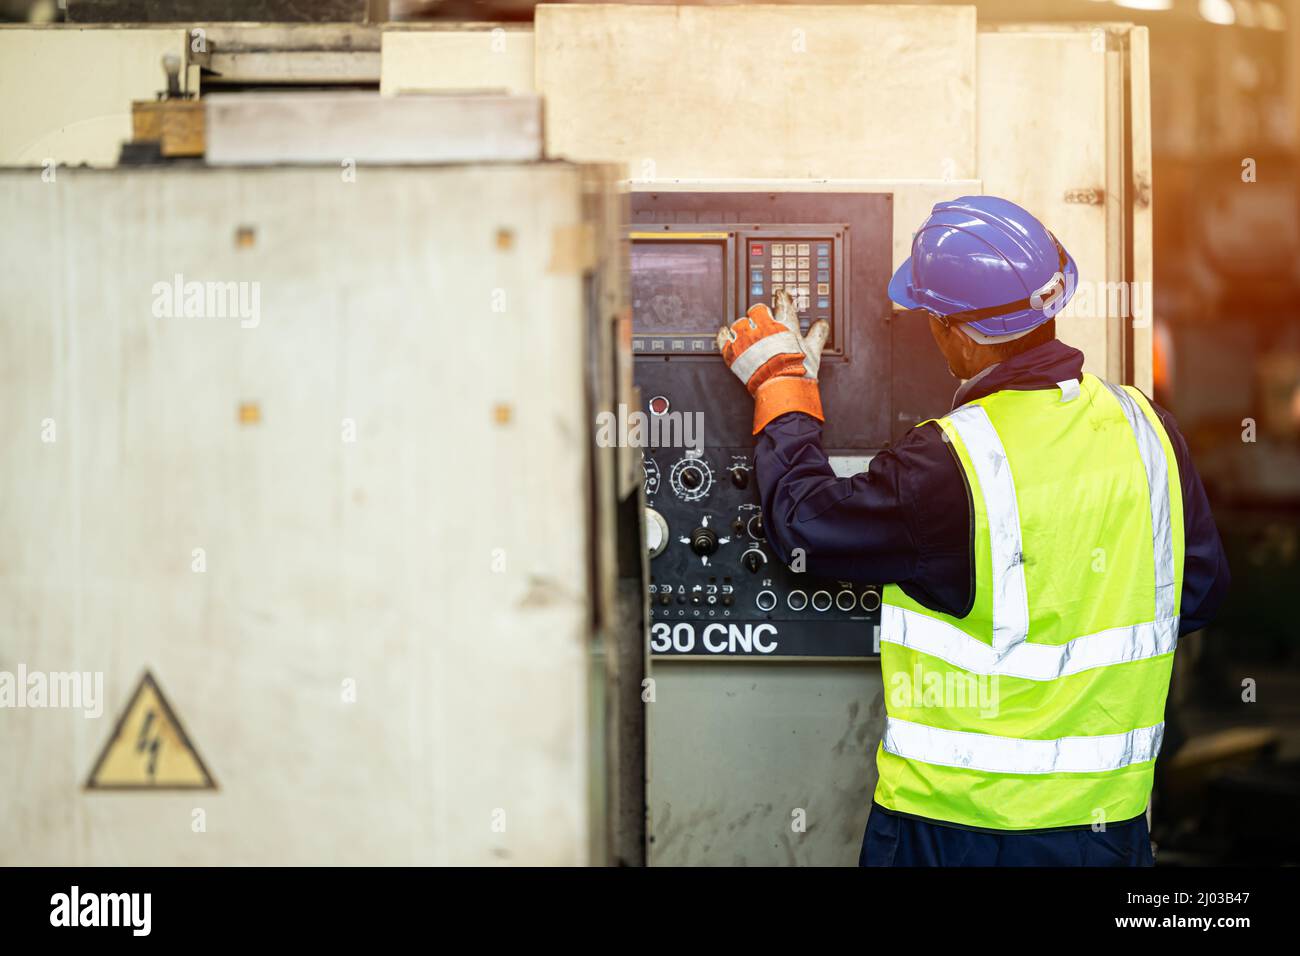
149, 741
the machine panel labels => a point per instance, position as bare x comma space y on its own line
747, 639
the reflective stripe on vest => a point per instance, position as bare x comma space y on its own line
1118, 645
1010, 597
1010, 653
956, 748
1153, 459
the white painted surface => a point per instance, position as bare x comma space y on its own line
1046, 128
326, 560
65, 93
358, 127
763, 764
768, 91
473, 57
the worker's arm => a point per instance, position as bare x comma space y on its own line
1205, 566
905, 521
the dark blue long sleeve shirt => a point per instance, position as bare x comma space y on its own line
906, 520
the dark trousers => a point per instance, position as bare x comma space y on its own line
896, 840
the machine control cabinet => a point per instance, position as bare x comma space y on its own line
698, 261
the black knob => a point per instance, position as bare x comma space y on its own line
692, 478
753, 561
740, 477
704, 541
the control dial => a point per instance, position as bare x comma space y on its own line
691, 479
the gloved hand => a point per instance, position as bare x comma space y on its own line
777, 364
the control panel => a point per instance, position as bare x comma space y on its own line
699, 260
717, 587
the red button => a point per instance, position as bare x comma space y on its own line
658, 405
756, 249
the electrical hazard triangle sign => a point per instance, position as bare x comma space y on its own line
149, 749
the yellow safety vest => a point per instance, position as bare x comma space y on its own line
1044, 706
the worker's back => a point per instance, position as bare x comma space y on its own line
1044, 543
1043, 706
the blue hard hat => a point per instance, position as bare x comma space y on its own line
985, 263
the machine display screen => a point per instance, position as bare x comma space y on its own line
678, 287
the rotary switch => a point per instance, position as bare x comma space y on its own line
704, 541
691, 478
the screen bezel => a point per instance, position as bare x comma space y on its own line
686, 344
682, 343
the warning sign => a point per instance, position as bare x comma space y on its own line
149, 749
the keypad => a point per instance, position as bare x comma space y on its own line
776, 265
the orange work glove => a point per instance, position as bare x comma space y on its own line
777, 364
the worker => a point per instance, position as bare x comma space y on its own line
1044, 544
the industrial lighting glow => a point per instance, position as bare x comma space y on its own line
1271, 16
1145, 4
1217, 11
